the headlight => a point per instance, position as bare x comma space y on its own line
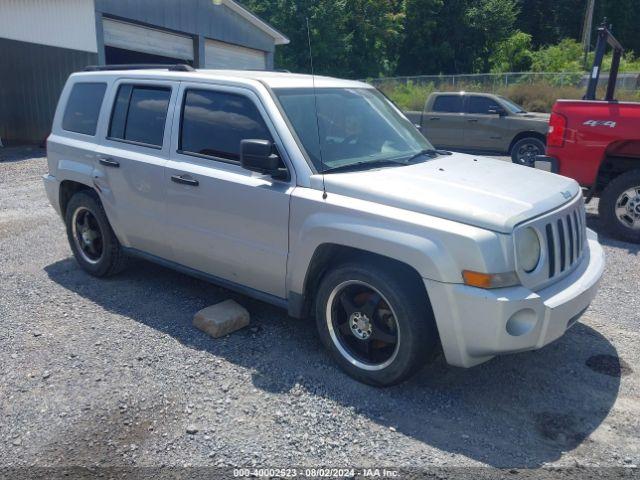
528, 249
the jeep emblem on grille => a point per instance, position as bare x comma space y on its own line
566, 194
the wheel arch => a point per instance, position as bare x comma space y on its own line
329, 255
68, 188
620, 157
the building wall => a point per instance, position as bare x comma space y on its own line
43, 41
61, 23
194, 17
32, 78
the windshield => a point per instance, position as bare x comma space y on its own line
512, 106
357, 126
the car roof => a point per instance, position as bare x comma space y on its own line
466, 93
270, 78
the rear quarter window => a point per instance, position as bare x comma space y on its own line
448, 104
139, 114
83, 108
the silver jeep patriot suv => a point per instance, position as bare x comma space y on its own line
319, 196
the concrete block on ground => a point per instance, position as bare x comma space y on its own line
221, 319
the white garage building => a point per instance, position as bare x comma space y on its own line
42, 42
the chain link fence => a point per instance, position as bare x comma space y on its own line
490, 82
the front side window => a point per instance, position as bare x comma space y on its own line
139, 114
448, 104
214, 124
353, 126
512, 106
83, 108
482, 105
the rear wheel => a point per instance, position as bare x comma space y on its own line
525, 150
375, 322
619, 206
91, 238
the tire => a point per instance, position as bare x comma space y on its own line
619, 207
398, 306
94, 244
525, 150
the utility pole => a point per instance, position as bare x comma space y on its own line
586, 29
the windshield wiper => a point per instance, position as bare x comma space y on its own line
429, 151
364, 165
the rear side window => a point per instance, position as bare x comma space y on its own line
448, 103
83, 108
481, 105
139, 114
214, 123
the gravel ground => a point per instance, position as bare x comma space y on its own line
112, 373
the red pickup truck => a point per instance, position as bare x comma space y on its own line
597, 143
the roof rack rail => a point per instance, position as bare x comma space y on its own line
179, 67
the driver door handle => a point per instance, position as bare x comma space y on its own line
109, 162
473, 120
434, 118
185, 180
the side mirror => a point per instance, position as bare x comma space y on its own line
258, 156
498, 111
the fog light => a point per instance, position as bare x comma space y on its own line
522, 322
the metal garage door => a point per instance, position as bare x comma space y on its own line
225, 55
147, 40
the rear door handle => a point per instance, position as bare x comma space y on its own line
473, 120
109, 162
434, 118
185, 180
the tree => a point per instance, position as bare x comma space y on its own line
566, 56
549, 21
512, 54
349, 38
454, 36
371, 38
624, 15
490, 22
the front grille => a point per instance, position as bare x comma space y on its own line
565, 236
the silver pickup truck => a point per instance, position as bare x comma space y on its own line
483, 122
321, 197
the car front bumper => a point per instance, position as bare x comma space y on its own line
475, 324
544, 162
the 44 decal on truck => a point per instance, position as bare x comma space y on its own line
601, 123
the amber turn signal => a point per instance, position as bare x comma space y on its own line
489, 280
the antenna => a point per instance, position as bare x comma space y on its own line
315, 102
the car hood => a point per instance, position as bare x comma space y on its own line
483, 192
543, 117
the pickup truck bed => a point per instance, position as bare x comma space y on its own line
595, 132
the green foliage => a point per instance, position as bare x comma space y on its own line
566, 56
377, 38
409, 96
534, 96
349, 38
490, 22
629, 63
512, 54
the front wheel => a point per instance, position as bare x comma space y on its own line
525, 151
377, 323
619, 206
